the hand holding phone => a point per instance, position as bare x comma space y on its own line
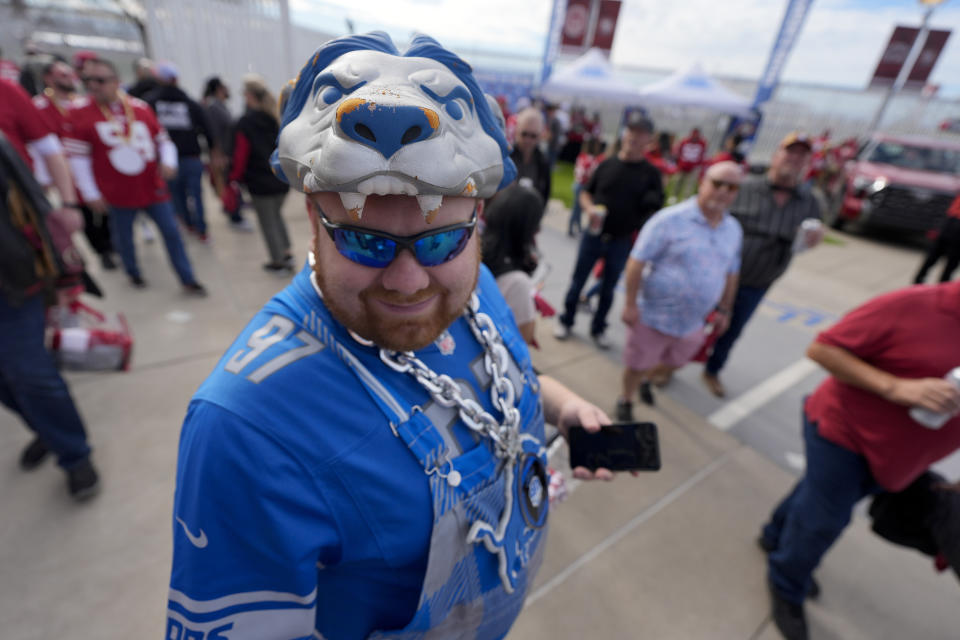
628, 446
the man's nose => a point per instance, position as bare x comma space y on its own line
405, 275
386, 128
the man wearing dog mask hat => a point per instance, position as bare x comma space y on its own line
367, 459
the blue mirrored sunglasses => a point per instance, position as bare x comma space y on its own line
378, 249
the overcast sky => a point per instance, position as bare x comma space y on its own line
840, 43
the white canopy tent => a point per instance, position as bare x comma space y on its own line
590, 78
692, 87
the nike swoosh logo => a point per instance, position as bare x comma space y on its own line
199, 541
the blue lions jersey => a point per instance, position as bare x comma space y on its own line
298, 512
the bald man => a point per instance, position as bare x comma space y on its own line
686, 259
533, 166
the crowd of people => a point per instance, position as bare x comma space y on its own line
414, 499
110, 154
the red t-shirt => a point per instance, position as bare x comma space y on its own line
10, 71
910, 333
664, 165
584, 166
818, 162
19, 119
690, 153
954, 210
125, 159
510, 127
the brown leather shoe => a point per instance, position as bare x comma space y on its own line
714, 385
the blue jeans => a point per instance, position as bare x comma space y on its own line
812, 516
31, 386
575, 211
121, 230
615, 252
187, 187
746, 302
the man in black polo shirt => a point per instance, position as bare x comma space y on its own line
631, 190
770, 209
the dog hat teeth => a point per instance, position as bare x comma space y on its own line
353, 203
429, 206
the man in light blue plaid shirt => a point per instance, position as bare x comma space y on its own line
683, 265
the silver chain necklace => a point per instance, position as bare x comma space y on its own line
446, 392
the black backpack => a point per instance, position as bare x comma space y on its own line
924, 516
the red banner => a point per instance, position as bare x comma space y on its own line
897, 51
894, 56
576, 24
606, 24
936, 41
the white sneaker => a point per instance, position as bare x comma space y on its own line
242, 225
561, 331
600, 341
147, 231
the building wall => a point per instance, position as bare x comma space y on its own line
228, 38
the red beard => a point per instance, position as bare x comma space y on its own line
399, 333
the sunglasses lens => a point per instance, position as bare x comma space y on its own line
365, 249
441, 247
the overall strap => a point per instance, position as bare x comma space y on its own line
406, 421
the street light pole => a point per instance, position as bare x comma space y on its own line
907, 65
288, 65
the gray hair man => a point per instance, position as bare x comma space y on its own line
686, 261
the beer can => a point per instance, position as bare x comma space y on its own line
597, 215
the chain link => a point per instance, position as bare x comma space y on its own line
446, 392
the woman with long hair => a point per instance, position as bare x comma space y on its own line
511, 223
255, 137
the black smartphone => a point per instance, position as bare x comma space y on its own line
628, 446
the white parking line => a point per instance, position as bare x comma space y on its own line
620, 533
740, 407
796, 460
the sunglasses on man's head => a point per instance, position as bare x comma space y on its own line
378, 249
527, 134
733, 187
96, 79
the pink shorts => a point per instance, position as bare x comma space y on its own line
647, 347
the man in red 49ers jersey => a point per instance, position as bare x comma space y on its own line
114, 148
54, 104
